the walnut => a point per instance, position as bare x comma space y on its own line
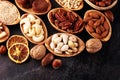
38, 52
93, 45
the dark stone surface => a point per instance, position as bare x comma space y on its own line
104, 65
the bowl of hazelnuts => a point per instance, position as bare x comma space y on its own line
101, 4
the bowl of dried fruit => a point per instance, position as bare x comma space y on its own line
97, 25
71, 4
33, 28
65, 20
64, 44
38, 7
102, 4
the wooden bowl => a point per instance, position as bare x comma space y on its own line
61, 30
9, 13
8, 34
75, 9
43, 26
30, 10
110, 29
80, 48
101, 8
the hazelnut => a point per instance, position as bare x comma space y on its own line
38, 52
3, 49
47, 59
93, 45
56, 63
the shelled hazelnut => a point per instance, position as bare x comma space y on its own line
57, 63
3, 49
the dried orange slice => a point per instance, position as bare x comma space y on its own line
18, 52
16, 39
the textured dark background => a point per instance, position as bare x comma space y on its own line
104, 65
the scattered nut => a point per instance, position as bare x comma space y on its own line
93, 45
56, 63
109, 15
38, 52
3, 49
47, 59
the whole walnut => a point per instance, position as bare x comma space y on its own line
93, 45
38, 52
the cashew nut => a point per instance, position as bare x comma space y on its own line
65, 38
56, 50
59, 45
31, 17
57, 40
38, 38
65, 48
52, 45
54, 36
3, 34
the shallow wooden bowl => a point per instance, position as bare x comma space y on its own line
8, 12
30, 10
101, 8
79, 8
110, 29
8, 34
61, 30
43, 26
80, 48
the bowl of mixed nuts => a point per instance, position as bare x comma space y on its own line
64, 44
102, 4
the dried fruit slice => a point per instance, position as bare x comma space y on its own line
16, 39
18, 52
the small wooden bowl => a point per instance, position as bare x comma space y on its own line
110, 29
61, 30
8, 34
30, 10
12, 13
101, 8
43, 26
74, 9
80, 48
